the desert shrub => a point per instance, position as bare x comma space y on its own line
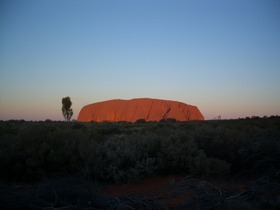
119, 152
219, 142
110, 129
121, 158
79, 126
65, 151
147, 166
240, 143
181, 154
40, 150
8, 144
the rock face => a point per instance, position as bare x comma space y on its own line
135, 109
138, 109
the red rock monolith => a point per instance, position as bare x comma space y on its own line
141, 108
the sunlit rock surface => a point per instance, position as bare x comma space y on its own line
141, 108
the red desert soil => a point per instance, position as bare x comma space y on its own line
141, 108
168, 189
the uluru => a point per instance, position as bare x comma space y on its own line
138, 109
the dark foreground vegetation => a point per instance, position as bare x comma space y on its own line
57, 165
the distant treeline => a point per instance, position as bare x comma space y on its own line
144, 121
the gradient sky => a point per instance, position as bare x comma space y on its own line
221, 55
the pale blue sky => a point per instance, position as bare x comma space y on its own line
220, 55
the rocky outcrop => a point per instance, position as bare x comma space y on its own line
141, 108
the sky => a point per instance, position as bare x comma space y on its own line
222, 56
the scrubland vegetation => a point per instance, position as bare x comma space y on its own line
106, 153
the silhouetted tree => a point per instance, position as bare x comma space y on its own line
66, 108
